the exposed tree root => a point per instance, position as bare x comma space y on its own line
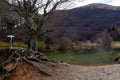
25, 55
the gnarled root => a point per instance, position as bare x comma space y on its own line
25, 55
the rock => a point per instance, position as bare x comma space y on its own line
117, 59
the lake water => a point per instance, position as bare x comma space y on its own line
84, 57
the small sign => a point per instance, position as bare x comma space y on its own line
10, 36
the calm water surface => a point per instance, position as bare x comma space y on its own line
84, 57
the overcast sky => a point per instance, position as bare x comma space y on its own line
77, 3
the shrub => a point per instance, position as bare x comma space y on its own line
54, 47
78, 47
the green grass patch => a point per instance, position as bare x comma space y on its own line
4, 44
78, 47
15, 44
19, 44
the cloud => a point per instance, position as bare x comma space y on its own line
115, 2
79, 3
110, 2
106, 1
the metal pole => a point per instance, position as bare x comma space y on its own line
10, 43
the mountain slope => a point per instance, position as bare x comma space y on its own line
88, 20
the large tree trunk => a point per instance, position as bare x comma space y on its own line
32, 42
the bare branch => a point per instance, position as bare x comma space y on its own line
34, 2
37, 8
54, 6
19, 5
6, 2
46, 6
24, 4
47, 13
29, 4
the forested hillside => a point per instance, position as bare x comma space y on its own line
87, 21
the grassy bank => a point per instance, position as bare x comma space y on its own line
15, 44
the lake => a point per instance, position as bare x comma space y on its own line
84, 57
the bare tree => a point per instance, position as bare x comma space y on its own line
35, 13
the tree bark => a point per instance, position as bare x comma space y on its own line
32, 43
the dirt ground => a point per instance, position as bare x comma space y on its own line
63, 71
74, 72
